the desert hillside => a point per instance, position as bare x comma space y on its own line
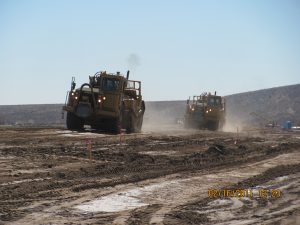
265, 106
257, 107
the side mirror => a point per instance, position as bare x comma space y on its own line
73, 84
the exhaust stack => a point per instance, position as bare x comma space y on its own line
127, 76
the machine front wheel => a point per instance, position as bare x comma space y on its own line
74, 122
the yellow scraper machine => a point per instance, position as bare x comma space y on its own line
205, 111
109, 102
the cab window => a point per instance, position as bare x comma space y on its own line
211, 102
214, 102
110, 84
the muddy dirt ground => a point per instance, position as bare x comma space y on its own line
171, 176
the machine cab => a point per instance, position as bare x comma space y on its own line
107, 82
110, 84
214, 101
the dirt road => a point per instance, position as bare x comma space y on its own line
50, 176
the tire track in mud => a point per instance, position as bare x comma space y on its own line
198, 185
139, 166
265, 209
65, 161
164, 194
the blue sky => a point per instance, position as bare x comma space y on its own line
176, 48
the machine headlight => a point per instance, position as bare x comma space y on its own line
101, 98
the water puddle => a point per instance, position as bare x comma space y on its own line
68, 133
30, 171
112, 203
158, 153
122, 201
83, 135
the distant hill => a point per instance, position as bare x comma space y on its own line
265, 106
41, 114
257, 107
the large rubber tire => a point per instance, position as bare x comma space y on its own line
141, 117
139, 124
73, 122
115, 126
134, 124
130, 123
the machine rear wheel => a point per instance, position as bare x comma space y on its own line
141, 117
135, 125
115, 126
139, 124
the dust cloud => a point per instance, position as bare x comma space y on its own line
163, 116
169, 116
234, 124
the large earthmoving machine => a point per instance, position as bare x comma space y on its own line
109, 102
205, 111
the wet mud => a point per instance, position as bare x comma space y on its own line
55, 176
